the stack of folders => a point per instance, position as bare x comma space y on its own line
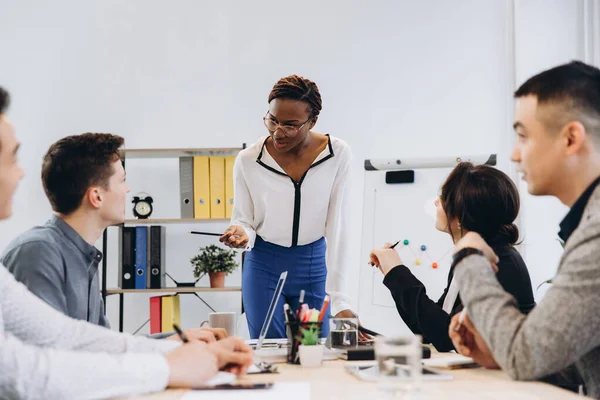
142, 257
206, 186
164, 312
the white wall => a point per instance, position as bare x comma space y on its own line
397, 78
549, 33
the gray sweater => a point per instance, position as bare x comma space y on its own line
564, 328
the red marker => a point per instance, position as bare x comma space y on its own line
325, 304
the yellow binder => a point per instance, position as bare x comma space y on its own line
201, 187
217, 187
170, 312
229, 162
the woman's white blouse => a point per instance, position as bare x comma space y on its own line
270, 204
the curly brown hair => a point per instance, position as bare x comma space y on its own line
295, 87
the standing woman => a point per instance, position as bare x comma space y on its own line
290, 210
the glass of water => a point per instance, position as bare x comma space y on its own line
344, 332
399, 364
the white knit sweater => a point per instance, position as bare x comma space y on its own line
47, 355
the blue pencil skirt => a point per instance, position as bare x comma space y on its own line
262, 266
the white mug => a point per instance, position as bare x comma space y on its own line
225, 320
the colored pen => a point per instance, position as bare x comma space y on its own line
286, 309
394, 245
324, 308
307, 315
300, 302
303, 312
289, 313
182, 336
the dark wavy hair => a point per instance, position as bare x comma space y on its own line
484, 200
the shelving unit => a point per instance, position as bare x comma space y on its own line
155, 154
173, 290
176, 153
172, 221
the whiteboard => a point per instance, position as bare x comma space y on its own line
393, 212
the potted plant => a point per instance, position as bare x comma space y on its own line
216, 262
310, 351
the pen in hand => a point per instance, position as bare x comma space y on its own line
394, 245
182, 336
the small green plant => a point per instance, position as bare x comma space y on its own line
213, 259
310, 336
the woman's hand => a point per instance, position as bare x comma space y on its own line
385, 259
362, 337
235, 237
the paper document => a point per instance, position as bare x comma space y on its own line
222, 378
280, 390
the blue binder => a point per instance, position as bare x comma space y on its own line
141, 256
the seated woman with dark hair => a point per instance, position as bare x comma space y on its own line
481, 199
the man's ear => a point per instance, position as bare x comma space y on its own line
574, 135
94, 197
314, 122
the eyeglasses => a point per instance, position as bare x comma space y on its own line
288, 130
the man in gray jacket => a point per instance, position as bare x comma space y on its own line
557, 122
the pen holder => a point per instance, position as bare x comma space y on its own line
294, 336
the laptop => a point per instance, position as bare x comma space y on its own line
271, 311
278, 354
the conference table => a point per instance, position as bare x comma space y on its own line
331, 381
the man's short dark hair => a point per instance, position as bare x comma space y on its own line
74, 164
573, 88
4, 100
